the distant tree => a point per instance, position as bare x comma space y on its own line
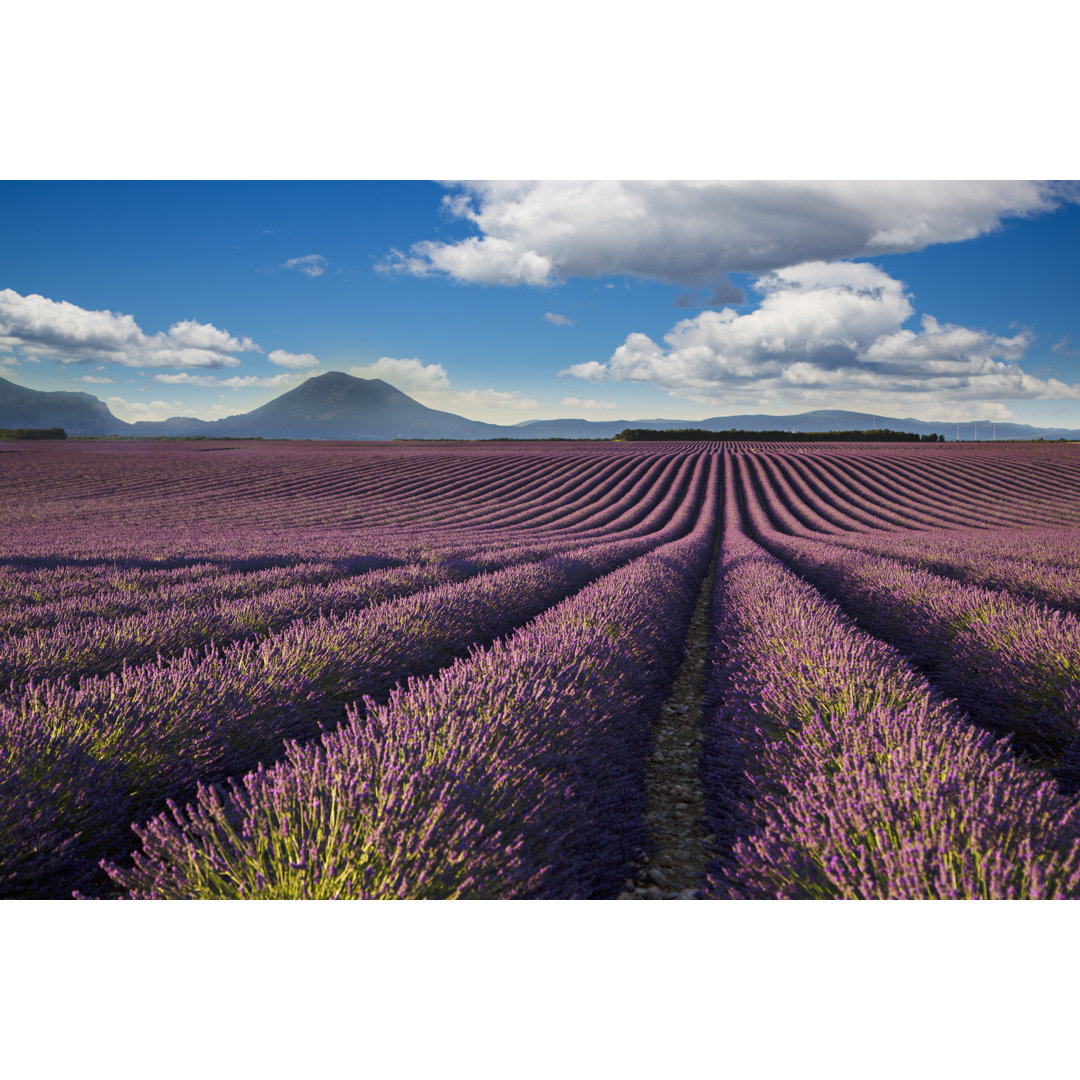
33, 433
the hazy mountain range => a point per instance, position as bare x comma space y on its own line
340, 406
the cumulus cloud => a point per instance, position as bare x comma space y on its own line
558, 320
485, 260
588, 403
430, 385
100, 379
411, 376
284, 381
312, 265
696, 233
193, 335
826, 333
293, 360
140, 410
60, 331
486, 399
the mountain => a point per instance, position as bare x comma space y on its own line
76, 413
339, 406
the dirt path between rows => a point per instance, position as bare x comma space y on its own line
679, 842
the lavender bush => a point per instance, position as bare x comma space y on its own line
518, 772
833, 770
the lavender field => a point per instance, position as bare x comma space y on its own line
369, 670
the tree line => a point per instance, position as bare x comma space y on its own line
739, 435
33, 433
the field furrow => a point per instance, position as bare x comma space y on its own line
1014, 665
148, 733
437, 669
834, 770
518, 772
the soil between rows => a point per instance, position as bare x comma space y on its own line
680, 845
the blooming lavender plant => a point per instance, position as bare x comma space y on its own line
833, 770
205, 714
518, 772
169, 616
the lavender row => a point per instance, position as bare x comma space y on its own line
1038, 564
518, 772
1028, 656
170, 545
146, 733
833, 770
620, 507
515, 495
936, 492
107, 589
80, 644
1005, 486
82, 647
827, 493
145, 507
38, 597
87, 760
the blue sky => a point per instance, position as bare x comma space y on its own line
508, 302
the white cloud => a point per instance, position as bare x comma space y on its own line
430, 385
312, 265
193, 335
830, 335
486, 261
558, 320
100, 379
500, 399
696, 233
68, 334
411, 376
285, 381
139, 410
293, 360
588, 403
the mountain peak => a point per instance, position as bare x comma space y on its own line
328, 378
336, 405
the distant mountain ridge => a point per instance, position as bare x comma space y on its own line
76, 413
340, 406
